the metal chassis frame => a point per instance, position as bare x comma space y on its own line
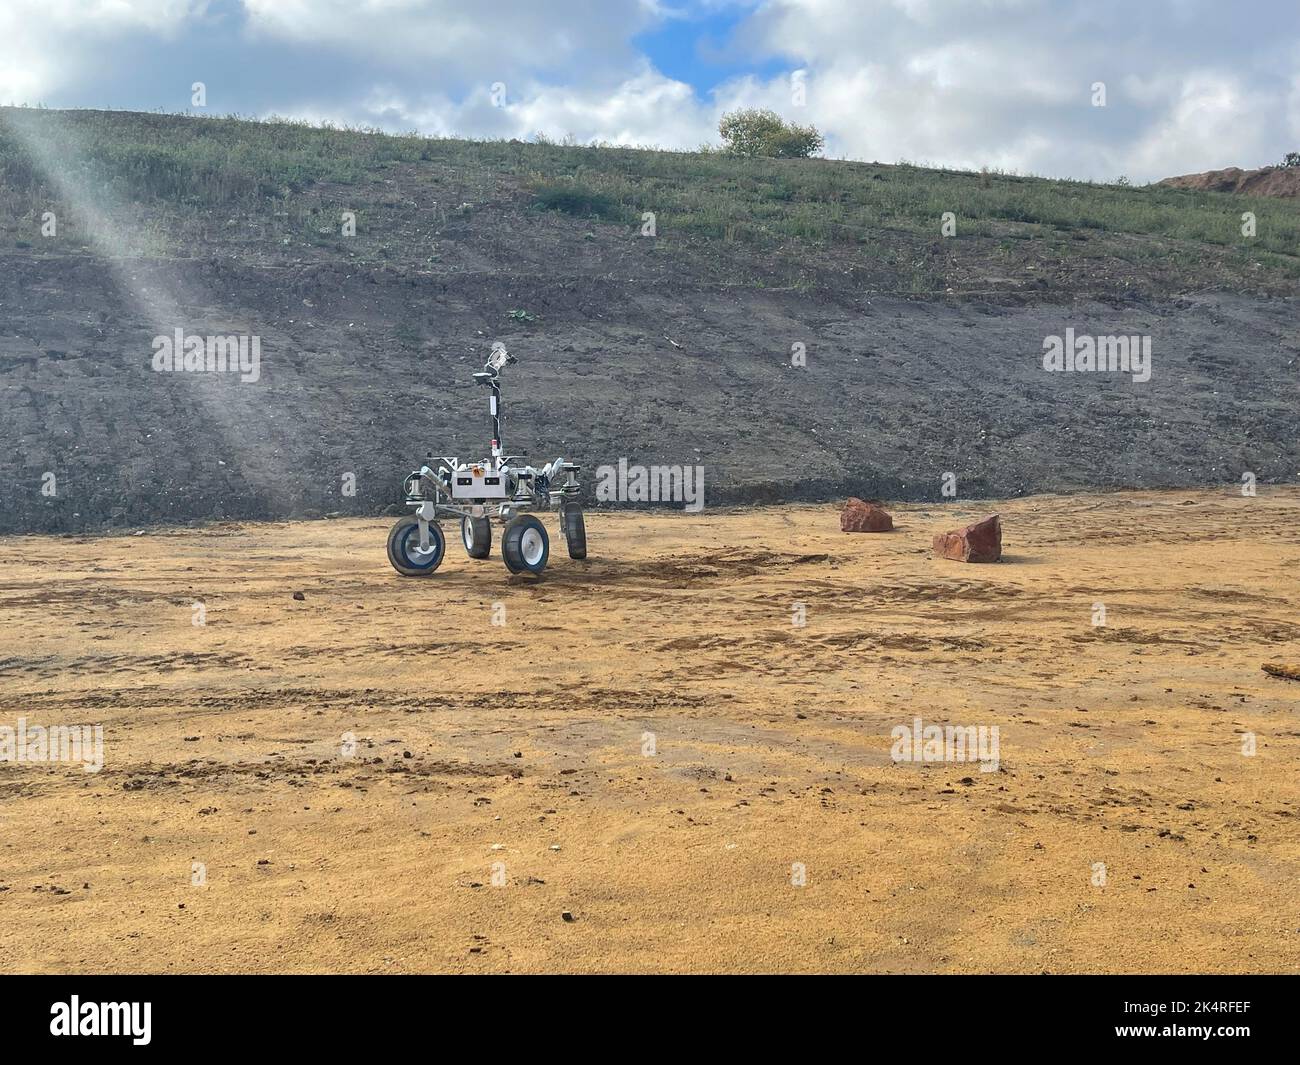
427, 510
525, 499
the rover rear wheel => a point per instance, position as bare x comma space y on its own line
575, 531
525, 547
476, 535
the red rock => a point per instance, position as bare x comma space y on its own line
981, 542
860, 516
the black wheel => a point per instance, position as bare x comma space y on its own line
404, 548
575, 532
476, 535
525, 546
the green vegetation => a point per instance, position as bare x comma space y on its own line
752, 133
575, 199
275, 184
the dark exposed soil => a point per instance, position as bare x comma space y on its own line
895, 394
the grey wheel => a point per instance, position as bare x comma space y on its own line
525, 547
405, 552
476, 535
575, 531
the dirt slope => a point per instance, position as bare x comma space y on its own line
923, 355
895, 393
1278, 181
526, 745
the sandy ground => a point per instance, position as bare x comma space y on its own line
519, 754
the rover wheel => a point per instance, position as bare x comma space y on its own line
575, 531
476, 535
404, 548
525, 546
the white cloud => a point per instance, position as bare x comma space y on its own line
647, 108
43, 42
1191, 84
644, 109
1007, 83
491, 41
1210, 124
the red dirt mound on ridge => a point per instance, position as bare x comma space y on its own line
1268, 181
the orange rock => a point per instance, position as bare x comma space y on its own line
860, 516
980, 542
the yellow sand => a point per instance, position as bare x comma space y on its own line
530, 746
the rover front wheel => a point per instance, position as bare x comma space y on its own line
405, 552
525, 546
476, 535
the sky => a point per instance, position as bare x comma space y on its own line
1013, 85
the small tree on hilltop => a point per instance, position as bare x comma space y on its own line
1292, 159
752, 132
